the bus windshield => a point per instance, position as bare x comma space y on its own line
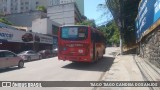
74, 33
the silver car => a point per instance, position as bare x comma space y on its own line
30, 55
9, 59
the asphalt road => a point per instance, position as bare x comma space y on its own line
54, 70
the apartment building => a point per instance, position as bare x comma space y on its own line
65, 14
80, 3
18, 6
1, 7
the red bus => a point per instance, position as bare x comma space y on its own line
79, 43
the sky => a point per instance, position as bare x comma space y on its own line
92, 11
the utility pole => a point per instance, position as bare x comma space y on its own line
121, 40
121, 25
118, 16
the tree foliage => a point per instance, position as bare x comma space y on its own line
3, 20
111, 33
42, 8
124, 13
88, 22
84, 18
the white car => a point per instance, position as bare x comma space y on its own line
30, 55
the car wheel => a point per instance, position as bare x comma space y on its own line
21, 64
29, 59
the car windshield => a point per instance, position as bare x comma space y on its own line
41, 51
23, 52
74, 33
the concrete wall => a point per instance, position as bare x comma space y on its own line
150, 47
25, 19
44, 26
80, 4
63, 14
40, 26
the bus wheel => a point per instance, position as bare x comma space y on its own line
102, 57
74, 62
104, 51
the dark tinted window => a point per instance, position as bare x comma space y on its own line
97, 37
28, 52
9, 54
31, 52
1, 54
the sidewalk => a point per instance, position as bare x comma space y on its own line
130, 68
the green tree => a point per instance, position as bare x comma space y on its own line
42, 8
83, 17
3, 20
111, 33
124, 13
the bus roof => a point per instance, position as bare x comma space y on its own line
75, 25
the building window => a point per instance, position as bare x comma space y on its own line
37, 3
21, 8
5, 9
26, 8
26, 3
22, 3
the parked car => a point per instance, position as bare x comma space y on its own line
30, 55
46, 53
10, 59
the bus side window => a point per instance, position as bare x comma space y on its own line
92, 36
96, 37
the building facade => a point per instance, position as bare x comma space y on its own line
14, 6
1, 7
80, 3
64, 14
19, 6
25, 19
17, 41
45, 26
